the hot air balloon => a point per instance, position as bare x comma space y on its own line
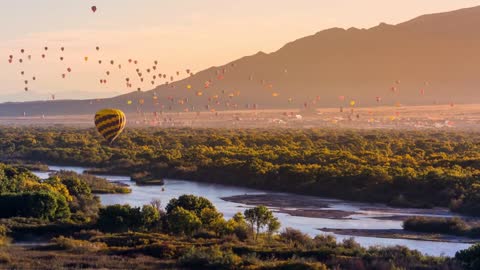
61, 58
22, 50
62, 49
352, 103
110, 123
129, 102
86, 58
94, 9
189, 86
69, 69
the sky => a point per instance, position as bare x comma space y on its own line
179, 34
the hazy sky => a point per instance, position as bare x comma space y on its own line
180, 34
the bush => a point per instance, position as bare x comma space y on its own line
42, 205
469, 258
80, 246
454, 226
295, 237
211, 257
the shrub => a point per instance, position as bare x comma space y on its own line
80, 246
43, 205
469, 258
211, 257
295, 237
454, 226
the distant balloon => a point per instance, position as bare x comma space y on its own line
94, 9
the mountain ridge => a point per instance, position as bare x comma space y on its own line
429, 59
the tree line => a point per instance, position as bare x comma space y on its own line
401, 168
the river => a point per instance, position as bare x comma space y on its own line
361, 220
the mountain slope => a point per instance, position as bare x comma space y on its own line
430, 59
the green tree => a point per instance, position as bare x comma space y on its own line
258, 218
182, 221
190, 203
469, 258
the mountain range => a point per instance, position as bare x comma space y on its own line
432, 59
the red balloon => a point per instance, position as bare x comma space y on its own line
94, 9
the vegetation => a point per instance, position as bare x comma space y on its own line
403, 168
470, 258
188, 234
452, 226
97, 185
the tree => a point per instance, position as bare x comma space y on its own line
42, 205
469, 258
182, 221
258, 218
119, 218
190, 203
212, 220
149, 217
273, 226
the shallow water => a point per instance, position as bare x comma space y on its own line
363, 219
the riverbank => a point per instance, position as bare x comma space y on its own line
402, 234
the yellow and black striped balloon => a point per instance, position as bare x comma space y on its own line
110, 123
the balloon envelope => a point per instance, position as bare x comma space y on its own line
110, 123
